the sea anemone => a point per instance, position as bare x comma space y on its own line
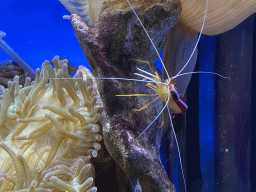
49, 132
222, 15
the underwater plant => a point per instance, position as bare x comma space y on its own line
49, 132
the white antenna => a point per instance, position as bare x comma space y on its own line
200, 72
149, 38
197, 39
169, 78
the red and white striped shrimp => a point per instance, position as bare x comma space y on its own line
166, 90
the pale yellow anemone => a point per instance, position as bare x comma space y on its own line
222, 15
49, 132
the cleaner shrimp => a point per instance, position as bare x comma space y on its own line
166, 91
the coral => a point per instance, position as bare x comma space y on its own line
49, 132
111, 47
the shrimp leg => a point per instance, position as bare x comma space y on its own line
147, 104
145, 62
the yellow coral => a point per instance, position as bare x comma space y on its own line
49, 132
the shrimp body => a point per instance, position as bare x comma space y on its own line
167, 91
176, 102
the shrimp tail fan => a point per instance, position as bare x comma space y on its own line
88, 10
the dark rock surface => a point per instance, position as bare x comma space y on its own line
110, 48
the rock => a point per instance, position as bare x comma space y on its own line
110, 48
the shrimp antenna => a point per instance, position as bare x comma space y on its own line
200, 72
122, 79
202, 28
176, 140
169, 78
149, 39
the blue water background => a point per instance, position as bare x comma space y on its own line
37, 31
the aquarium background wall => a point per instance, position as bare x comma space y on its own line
217, 133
